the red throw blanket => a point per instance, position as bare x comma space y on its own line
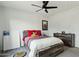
26, 40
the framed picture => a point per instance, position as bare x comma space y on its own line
44, 25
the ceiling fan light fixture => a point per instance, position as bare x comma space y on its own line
44, 6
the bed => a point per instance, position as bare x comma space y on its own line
40, 45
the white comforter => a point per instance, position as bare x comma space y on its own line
42, 43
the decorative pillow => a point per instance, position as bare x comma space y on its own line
30, 32
45, 35
34, 35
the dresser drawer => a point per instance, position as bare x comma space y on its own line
67, 38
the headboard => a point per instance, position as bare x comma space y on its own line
28, 33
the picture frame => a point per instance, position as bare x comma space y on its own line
44, 25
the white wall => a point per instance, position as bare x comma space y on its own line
3, 23
67, 21
1, 26
17, 21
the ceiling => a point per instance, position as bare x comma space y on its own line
26, 6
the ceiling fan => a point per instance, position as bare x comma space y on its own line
44, 6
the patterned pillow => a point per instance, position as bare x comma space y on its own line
34, 35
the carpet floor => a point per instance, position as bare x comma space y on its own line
68, 52
11, 53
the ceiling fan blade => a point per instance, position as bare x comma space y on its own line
38, 10
36, 5
46, 11
45, 4
51, 7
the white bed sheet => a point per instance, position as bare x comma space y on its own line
42, 43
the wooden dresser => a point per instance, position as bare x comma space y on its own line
67, 38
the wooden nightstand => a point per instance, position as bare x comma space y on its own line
67, 38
